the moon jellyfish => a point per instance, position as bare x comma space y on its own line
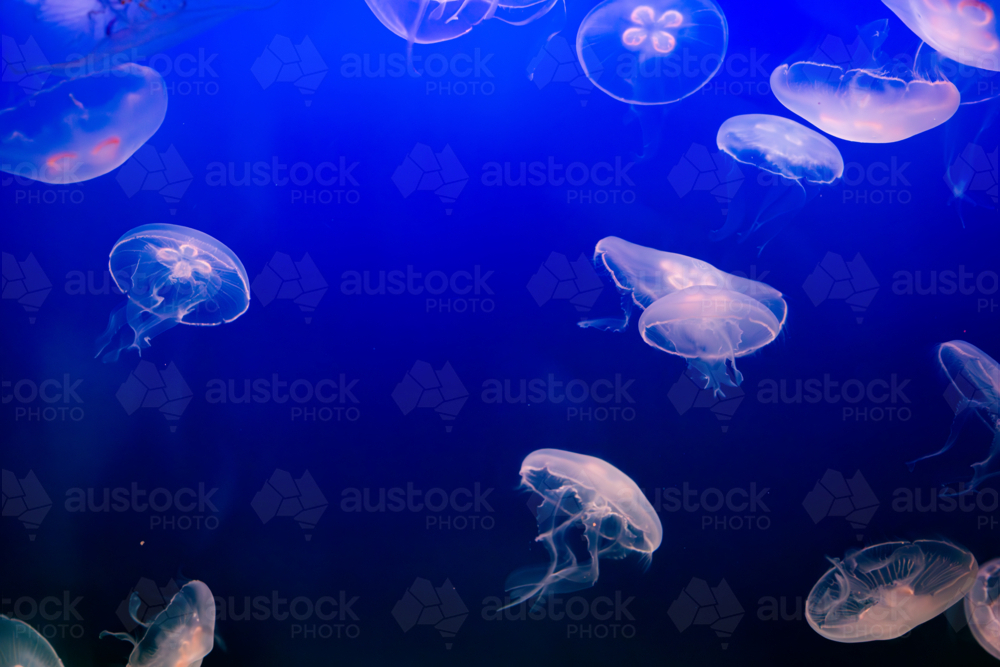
587, 510
795, 159
179, 636
876, 103
652, 51
643, 275
22, 646
172, 275
974, 389
982, 608
709, 327
962, 30
886, 590
82, 128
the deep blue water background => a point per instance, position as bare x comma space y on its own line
507, 232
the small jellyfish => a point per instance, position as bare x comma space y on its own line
587, 510
172, 275
652, 51
982, 608
962, 30
643, 275
22, 646
795, 157
974, 390
709, 327
82, 128
179, 636
886, 590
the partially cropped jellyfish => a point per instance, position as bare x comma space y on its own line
22, 646
652, 51
587, 510
709, 327
886, 590
795, 157
82, 128
962, 30
875, 103
171, 275
643, 275
179, 636
982, 608
974, 389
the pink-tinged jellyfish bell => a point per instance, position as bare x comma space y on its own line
982, 608
171, 275
22, 646
652, 51
180, 636
781, 146
963, 30
432, 21
587, 509
82, 128
863, 105
884, 591
709, 327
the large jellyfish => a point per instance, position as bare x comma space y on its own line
179, 636
171, 275
982, 608
22, 646
886, 590
974, 390
643, 275
962, 30
587, 510
709, 327
652, 51
82, 128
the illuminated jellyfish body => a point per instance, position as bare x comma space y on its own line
179, 636
172, 275
709, 327
652, 51
866, 105
962, 30
884, 591
587, 510
974, 390
101, 28
82, 128
22, 646
643, 275
798, 156
982, 608
432, 21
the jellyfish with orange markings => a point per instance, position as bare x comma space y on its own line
82, 128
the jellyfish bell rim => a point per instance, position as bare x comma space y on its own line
728, 128
907, 17
40, 644
976, 599
222, 253
651, 526
963, 353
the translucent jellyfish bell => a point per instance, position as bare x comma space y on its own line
171, 275
587, 510
22, 646
180, 636
962, 30
864, 105
643, 275
781, 146
709, 327
982, 608
886, 590
82, 128
974, 390
432, 21
652, 51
